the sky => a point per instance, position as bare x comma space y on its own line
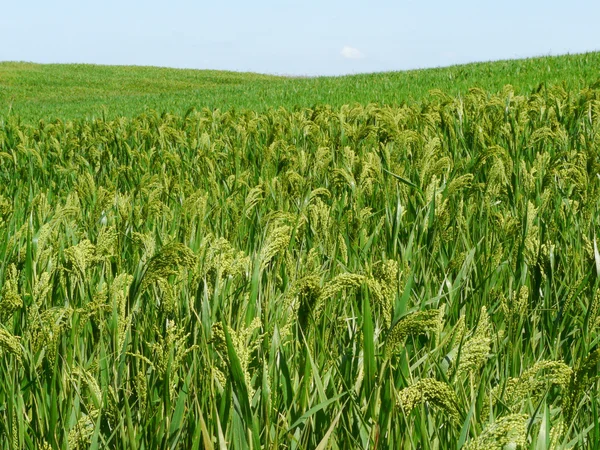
294, 37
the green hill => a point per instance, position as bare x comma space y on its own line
69, 91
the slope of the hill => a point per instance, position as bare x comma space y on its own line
70, 91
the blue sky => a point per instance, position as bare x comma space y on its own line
291, 37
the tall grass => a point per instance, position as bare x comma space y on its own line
417, 276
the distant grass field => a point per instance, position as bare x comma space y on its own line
71, 91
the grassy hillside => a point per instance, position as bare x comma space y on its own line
34, 91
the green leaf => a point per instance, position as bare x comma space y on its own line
404, 180
368, 355
254, 285
178, 414
464, 431
323, 444
314, 410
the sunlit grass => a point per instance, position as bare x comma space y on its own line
424, 275
70, 91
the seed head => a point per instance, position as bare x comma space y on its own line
508, 432
434, 392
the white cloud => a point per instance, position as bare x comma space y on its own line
351, 53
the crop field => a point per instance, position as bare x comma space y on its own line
420, 275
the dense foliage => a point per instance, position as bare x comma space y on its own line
421, 276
